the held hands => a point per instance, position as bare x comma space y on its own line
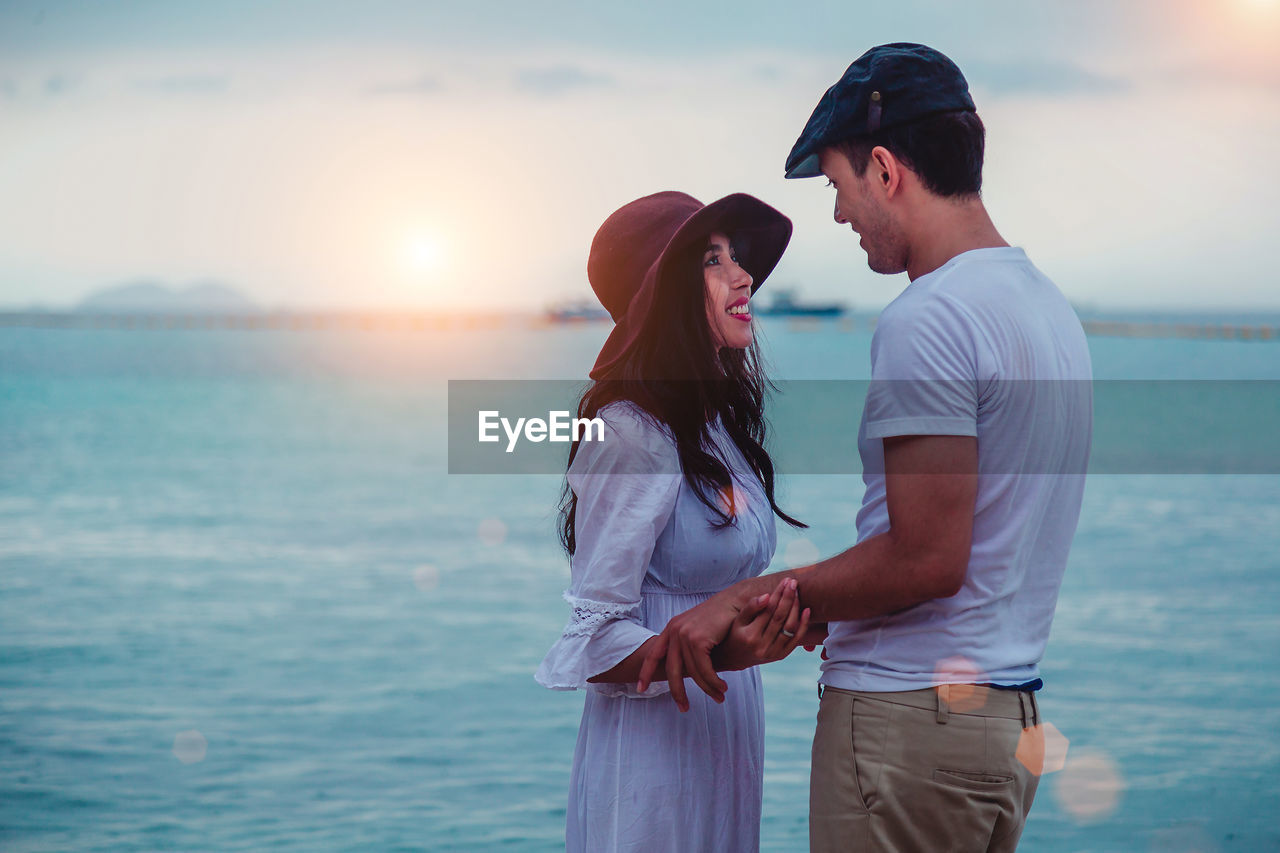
685, 646
767, 629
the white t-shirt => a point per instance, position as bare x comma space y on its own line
986, 346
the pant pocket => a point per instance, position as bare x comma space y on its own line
972, 781
870, 728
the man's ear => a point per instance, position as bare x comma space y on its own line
886, 171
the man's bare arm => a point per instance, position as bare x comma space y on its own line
931, 487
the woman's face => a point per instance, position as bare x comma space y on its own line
728, 290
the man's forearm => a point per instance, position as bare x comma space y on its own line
740, 593
873, 578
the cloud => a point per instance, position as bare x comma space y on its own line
185, 84
1040, 78
54, 85
559, 79
1240, 76
424, 85
766, 73
60, 84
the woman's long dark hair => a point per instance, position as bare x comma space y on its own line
674, 373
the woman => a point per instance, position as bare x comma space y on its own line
675, 503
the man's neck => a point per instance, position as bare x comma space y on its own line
948, 228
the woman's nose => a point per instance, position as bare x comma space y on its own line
741, 278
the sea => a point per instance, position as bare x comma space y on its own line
245, 606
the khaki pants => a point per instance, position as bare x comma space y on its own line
931, 770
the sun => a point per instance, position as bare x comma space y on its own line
422, 253
1255, 8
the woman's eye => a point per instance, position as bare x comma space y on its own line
712, 261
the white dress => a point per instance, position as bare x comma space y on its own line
647, 777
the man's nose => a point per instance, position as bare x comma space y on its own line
840, 216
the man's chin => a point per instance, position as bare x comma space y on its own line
885, 268
878, 263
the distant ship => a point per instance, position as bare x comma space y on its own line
576, 311
785, 304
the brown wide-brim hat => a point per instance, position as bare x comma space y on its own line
636, 245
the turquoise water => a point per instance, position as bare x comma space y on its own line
243, 607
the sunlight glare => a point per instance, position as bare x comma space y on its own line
422, 254
1257, 10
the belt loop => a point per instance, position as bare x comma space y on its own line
819, 690
1022, 710
1035, 709
944, 691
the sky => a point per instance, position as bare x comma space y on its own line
453, 156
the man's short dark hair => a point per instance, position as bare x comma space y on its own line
944, 150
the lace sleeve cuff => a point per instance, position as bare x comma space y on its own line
598, 636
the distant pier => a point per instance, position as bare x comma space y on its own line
1223, 331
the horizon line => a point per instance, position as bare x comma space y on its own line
9, 308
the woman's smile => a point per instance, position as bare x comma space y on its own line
729, 285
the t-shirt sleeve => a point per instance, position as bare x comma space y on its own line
924, 369
626, 485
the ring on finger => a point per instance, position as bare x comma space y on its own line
789, 635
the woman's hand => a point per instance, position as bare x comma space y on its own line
768, 628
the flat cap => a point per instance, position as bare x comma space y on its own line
889, 85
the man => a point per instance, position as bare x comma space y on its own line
974, 442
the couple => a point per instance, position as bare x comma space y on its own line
928, 732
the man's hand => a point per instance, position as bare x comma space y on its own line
767, 629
